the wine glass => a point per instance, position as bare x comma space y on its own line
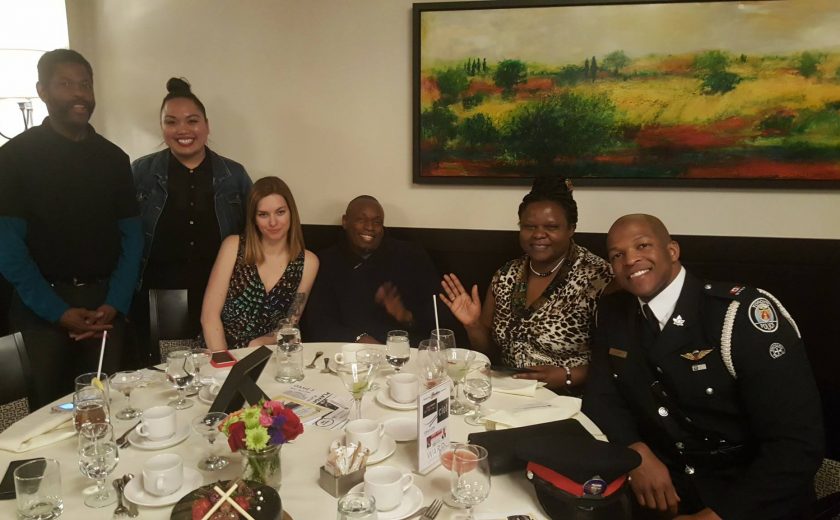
445, 336
89, 407
470, 476
477, 389
179, 371
397, 349
207, 426
374, 356
98, 457
446, 455
200, 358
356, 376
431, 361
125, 382
458, 361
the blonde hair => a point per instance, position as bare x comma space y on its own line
253, 238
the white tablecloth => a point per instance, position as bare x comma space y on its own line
301, 495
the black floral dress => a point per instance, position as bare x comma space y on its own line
250, 311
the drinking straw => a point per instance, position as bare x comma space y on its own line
101, 353
434, 305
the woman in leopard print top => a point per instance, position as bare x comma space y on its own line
539, 307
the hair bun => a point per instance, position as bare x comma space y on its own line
179, 85
551, 184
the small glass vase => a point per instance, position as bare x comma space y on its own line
262, 466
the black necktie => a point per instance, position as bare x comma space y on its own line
651, 320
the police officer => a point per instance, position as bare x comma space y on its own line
708, 382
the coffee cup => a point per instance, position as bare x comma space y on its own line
403, 387
366, 432
218, 380
163, 474
158, 423
348, 352
387, 485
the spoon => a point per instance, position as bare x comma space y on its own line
121, 509
317, 355
326, 369
132, 507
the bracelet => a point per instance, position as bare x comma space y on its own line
568, 375
360, 336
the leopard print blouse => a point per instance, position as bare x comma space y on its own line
555, 328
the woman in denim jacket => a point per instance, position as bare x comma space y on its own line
190, 198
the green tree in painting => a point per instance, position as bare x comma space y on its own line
439, 125
615, 61
451, 82
569, 124
711, 68
510, 73
710, 62
808, 63
477, 131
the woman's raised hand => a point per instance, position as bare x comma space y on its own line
466, 307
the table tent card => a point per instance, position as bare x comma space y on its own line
432, 419
241, 384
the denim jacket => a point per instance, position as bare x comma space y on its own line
231, 185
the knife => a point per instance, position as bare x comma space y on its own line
122, 440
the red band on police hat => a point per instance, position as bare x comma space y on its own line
568, 485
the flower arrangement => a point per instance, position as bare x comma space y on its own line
257, 427
259, 431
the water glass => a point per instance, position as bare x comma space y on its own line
200, 358
289, 362
38, 490
357, 506
397, 349
86, 380
89, 407
179, 372
477, 389
125, 382
445, 337
431, 361
470, 476
98, 457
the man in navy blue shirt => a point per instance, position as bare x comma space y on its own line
70, 233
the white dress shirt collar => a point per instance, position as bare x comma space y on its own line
664, 303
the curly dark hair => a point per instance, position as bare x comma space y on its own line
552, 188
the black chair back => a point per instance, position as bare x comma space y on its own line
15, 375
169, 320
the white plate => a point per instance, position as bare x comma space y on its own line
411, 502
135, 491
143, 443
205, 396
402, 429
384, 398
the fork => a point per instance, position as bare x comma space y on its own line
433, 510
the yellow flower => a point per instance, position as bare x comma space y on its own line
256, 438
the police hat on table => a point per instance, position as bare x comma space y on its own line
578, 478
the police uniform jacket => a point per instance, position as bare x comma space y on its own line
724, 396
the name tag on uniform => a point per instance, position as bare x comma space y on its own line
698, 367
618, 353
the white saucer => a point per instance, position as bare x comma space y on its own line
135, 491
205, 396
143, 443
384, 398
387, 447
411, 502
401, 429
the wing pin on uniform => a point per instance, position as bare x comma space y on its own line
696, 355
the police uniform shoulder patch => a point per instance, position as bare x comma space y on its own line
727, 291
763, 316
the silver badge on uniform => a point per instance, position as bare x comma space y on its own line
763, 316
678, 321
777, 350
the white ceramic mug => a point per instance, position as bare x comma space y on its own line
158, 423
348, 352
366, 432
387, 485
163, 474
403, 387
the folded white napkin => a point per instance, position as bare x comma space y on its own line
556, 409
509, 385
37, 429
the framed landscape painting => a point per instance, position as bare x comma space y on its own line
671, 93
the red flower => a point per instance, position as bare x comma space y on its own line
292, 427
200, 508
236, 436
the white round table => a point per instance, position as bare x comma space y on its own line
302, 497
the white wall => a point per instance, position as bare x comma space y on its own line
319, 93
